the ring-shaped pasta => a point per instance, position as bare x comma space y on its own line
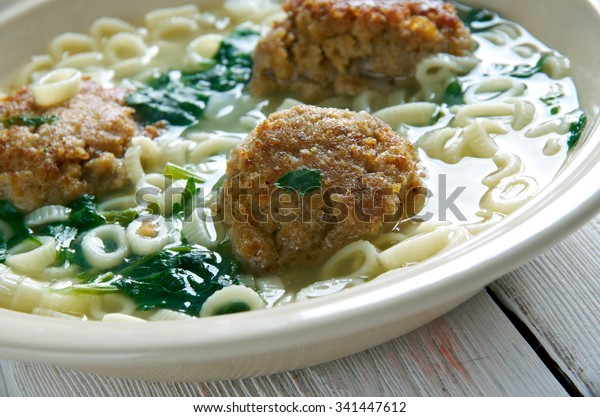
494, 89
124, 46
69, 44
56, 86
147, 235
175, 29
509, 194
200, 229
100, 306
480, 143
74, 304
508, 164
169, 315
82, 61
553, 146
328, 287
356, 260
105, 246
27, 295
154, 18
35, 68
413, 114
202, 48
47, 214
270, 289
31, 256
232, 299
416, 249
467, 113
105, 27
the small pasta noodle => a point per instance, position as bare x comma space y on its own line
56, 86
423, 246
433, 73
105, 246
451, 144
232, 299
47, 214
147, 235
414, 114
327, 287
111, 304
358, 260
32, 255
509, 194
106, 27
201, 228
69, 44
271, 289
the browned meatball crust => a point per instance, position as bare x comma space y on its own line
348, 46
370, 179
78, 153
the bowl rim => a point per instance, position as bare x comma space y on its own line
571, 198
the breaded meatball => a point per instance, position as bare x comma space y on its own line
369, 180
348, 46
80, 152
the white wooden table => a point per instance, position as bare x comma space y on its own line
534, 332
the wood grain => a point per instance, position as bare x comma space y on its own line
474, 350
557, 296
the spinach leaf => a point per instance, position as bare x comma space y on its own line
303, 181
122, 217
180, 98
177, 172
183, 209
65, 237
84, 214
15, 219
527, 71
27, 120
576, 130
475, 19
454, 94
179, 279
3, 250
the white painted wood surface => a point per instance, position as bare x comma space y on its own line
557, 296
473, 350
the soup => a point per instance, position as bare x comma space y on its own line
491, 129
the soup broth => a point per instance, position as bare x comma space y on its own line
491, 130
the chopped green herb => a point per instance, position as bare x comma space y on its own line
3, 250
233, 307
179, 280
454, 94
15, 219
180, 98
84, 214
526, 71
475, 19
122, 217
576, 130
65, 237
27, 120
555, 110
554, 93
303, 181
177, 172
181, 208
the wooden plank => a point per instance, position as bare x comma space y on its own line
557, 296
473, 350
